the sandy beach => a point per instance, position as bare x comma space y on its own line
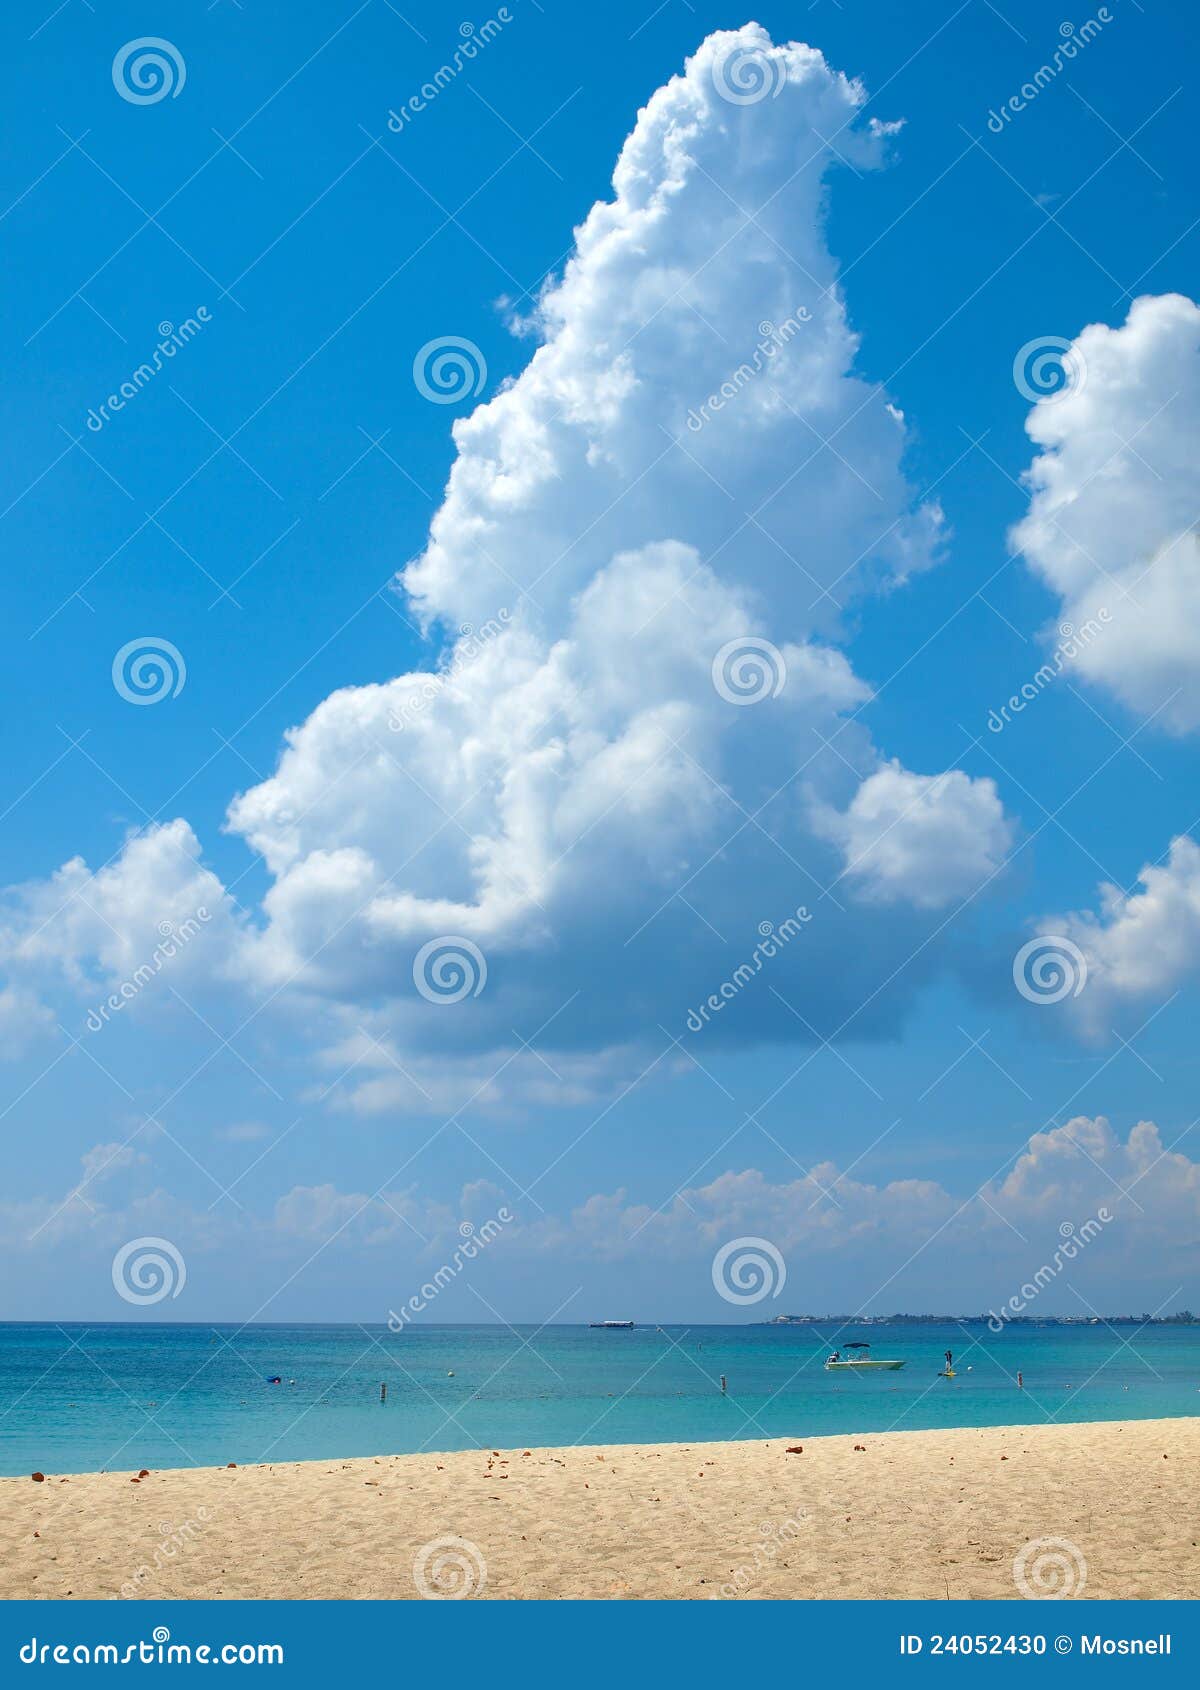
900, 1514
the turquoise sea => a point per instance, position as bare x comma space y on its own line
79, 1398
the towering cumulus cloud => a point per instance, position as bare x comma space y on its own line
695, 381
612, 787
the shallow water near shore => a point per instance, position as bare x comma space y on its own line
78, 1398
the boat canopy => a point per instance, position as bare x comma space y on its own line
862, 1346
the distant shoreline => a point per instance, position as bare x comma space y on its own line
1185, 1317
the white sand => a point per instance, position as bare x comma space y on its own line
921, 1514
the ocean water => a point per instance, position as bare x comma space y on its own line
82, 1398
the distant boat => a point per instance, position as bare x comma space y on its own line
858, 1362
611, 1325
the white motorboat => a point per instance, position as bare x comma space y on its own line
860, 1362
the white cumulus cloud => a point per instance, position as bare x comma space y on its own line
570, 791
1139, 947
117, 926
1113, 510
925, 839
605, 534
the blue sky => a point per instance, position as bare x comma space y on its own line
578, 799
